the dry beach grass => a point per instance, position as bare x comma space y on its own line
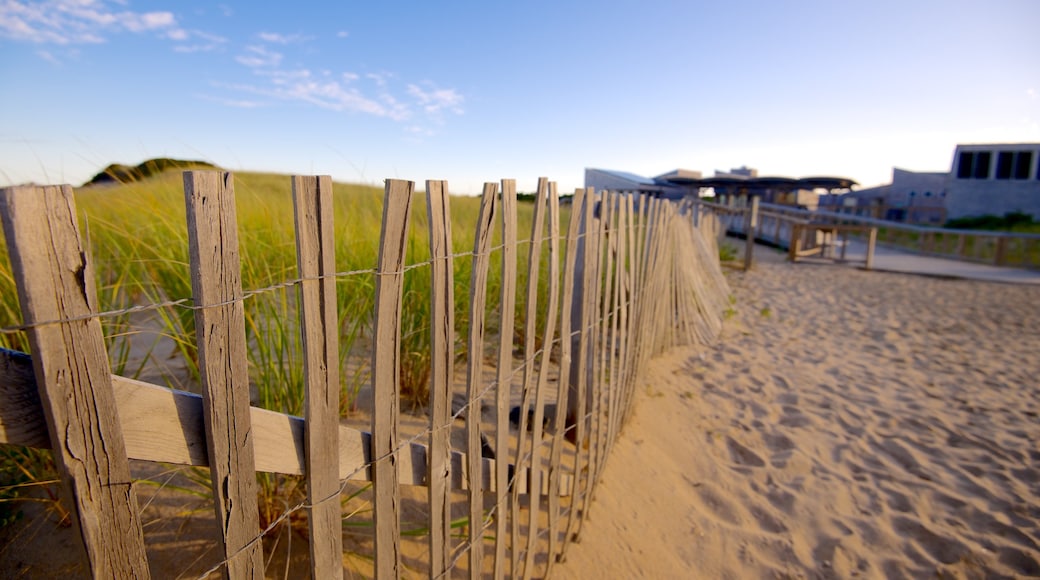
848, 424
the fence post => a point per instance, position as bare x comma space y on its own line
871, 246
1000, 255
216, 286
442, 372
796, 241
475, 341
319, 324
504, 378
534, 252
750, 225
386, 384
55, 281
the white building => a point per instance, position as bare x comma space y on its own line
912, 197
994, 179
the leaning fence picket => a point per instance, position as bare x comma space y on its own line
55, 280
477, 324
548, 338
316, 263
578, 393
530, 327
442, 371
563, 386
507, 307
224, 371
386, 386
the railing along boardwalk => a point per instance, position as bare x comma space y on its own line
778, 224
628, 279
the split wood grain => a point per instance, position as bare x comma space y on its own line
521, 459
216, 284
319, 325
386, 367
548, 339
563, 391
507, 308
474, 386
442, 372
55, 281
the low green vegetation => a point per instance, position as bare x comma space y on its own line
1015, 221
727, 252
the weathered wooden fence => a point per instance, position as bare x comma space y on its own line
628, 278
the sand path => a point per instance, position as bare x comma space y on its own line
848, 424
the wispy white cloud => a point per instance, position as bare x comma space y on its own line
196, 41
236, 103
435, 100
342, 34
277, 38
258, 57
47, 56
328, 93
420, 105
66, 22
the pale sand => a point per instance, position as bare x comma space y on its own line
848, 424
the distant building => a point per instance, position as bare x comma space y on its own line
994, 179
739, 183
624, 182
912, 197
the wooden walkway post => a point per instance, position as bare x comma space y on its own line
55, 282
386, 384
316, 260
221, 333
750, 226
871, 246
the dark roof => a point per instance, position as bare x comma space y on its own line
766, 182
628, 176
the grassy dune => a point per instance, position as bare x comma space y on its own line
137, 237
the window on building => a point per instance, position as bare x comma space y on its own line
1004, 161
982, 161
964, 165
974, 164
1023, 161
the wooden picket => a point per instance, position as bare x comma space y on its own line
316, 259
629, 278
216, 286
55, 283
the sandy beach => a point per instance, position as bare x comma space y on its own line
848, 424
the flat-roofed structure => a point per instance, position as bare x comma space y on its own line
994, 179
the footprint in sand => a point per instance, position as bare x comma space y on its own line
743, 456
780, 447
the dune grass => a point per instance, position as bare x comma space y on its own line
137, 237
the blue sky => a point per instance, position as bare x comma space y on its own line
478, 91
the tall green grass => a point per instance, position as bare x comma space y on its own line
137, 237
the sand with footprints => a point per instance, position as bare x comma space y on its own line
848, 424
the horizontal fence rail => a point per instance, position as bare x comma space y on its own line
606, 286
